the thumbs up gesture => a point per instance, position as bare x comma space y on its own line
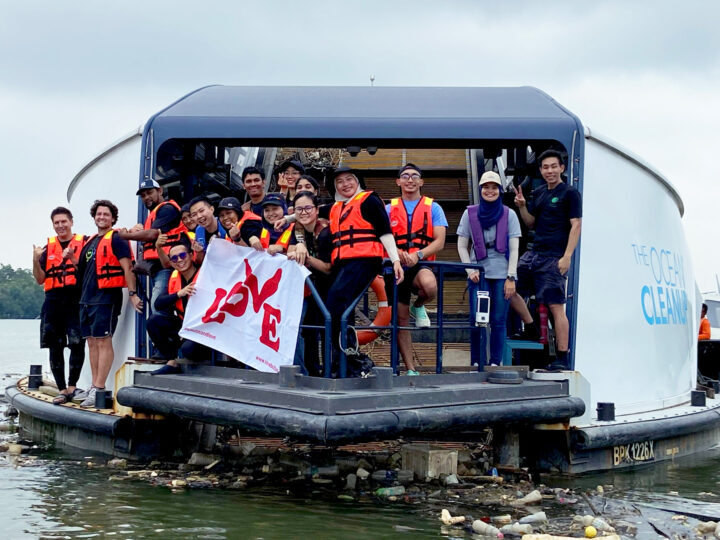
519, 199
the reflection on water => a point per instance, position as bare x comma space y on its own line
59, 498
68, 500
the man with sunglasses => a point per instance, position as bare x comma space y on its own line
163, 328
418, 224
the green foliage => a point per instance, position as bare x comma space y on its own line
20, 295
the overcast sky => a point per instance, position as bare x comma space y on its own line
77, 75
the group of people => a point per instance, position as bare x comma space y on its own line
342, 243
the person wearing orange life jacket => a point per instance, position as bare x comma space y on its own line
55, 267
705, 331
164, 217
273, 241
163, 328
361, 236
104, 269
243, 227
418, 224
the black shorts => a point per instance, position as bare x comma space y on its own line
406, 288
59, 323
98, 320
538, 274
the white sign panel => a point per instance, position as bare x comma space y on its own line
636, 324
247, 305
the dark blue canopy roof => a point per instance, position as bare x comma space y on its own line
365, 113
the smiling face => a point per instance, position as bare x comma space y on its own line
272, 212
103, 218
551, 170
151, 197
177, 261
202, 213
291, 176
254, 186
306, 212
228, 218
305, 185
410, 182
62, 223
188, 221
346, 184
490, 191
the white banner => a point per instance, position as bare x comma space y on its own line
247, 304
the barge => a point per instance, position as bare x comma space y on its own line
631, 395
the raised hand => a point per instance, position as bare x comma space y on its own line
187, 290
519, 198
161, 240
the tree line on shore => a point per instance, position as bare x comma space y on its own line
20, 296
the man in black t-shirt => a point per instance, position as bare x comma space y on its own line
164, 217
104, 269
556, 215
55, 267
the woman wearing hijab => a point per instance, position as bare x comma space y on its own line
494, 231
361, 235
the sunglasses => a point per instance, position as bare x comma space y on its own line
179, 257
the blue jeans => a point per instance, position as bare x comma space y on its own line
498, 318
159, 285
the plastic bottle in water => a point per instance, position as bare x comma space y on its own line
384, 477
394, 491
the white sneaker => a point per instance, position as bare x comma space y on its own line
420, 315
80, 395
89, 401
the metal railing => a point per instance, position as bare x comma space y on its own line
441, 268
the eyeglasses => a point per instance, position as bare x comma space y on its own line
345, 180
179, 257
304, 209
414, 176
293, 173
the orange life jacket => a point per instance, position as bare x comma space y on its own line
415, 233
174, 235
283, 241
109, 272
174, 285
353, 236
61, 272
247, 216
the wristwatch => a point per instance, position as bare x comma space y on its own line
511, 278
420, 255
132, 293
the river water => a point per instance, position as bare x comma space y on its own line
60, 497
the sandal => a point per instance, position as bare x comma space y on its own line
61, 399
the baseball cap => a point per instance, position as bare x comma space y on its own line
276, 199
409, 166
147, 184
490, 176
229, 203
295, 164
